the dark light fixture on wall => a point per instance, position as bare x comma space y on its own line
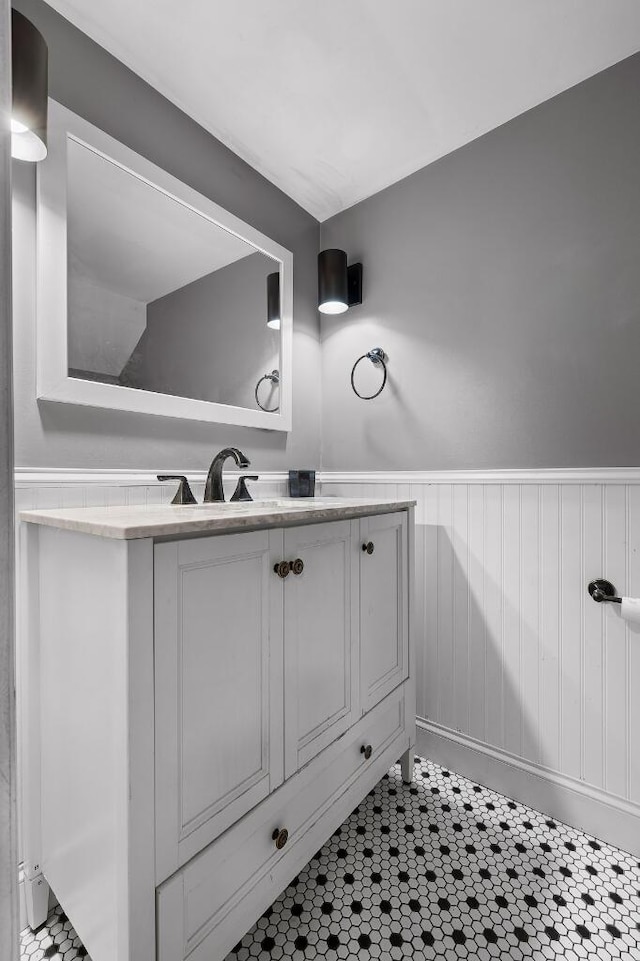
273, 300
30, 89
339, 286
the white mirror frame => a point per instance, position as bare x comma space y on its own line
53, 381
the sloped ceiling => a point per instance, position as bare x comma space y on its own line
332, 100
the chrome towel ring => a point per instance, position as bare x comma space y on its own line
378, 358
274, 377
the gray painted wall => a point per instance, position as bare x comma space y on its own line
8, 823
210, 339
504, 282
87, 80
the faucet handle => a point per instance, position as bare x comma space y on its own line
184, 494
241, 493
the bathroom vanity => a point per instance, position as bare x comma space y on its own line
214, 689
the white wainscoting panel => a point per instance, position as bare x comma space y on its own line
515, 662
513, 653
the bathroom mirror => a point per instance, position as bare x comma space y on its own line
151, 297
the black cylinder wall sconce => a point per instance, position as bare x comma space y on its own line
30, 79
339, 286
273, 300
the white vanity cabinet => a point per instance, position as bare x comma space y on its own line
243, 708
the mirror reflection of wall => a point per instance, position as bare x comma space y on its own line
160, 298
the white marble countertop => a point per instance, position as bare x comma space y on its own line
166, 520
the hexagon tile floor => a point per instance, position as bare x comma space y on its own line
441, 869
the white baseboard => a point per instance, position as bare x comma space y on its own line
605, 816
22, 903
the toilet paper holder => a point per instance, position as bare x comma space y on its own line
602, 590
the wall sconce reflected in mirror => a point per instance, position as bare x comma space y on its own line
339, 286
273, 300
30, 82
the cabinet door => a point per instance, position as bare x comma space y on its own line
320, 621
384, 603
218, 676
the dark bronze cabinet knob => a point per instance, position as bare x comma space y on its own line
280, 836
297, 566
367, 750
282, 569
368, 547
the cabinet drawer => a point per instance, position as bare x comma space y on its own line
207, 906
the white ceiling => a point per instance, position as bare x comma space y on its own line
332, 100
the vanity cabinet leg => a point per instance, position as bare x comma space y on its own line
406, 764
36, 892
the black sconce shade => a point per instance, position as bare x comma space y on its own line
30, 89
339, 286
333, 294
273, 300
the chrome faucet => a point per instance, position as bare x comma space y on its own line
213, 489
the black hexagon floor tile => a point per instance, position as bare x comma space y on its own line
443, 868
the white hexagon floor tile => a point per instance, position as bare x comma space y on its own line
443, 868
